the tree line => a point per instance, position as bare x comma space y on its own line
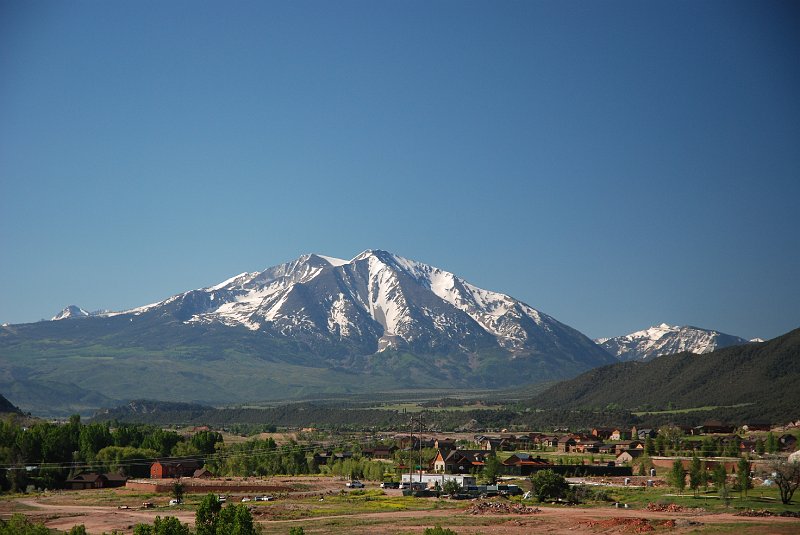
46, 454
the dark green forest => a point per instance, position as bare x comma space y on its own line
761, 379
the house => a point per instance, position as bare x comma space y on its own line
757, 426
379, 452
202, 473
627, 456
522, 464
325, 457
644, 434
438, 465
549, 441
619, 447
465, 461
606, 448
566, 443
491, 443
173, 468
602, 433
608, 433
93, 480
588, 446
445, 444
713, 427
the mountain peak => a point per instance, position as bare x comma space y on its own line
377, 253
72, 311
665, 339
375, 301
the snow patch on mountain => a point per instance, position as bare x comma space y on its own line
71, 312
375, 301
667, 339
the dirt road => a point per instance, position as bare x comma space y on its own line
99, 519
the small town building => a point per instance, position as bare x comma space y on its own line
94, 480
432, 480
628, 456
523, 464
173, 468
465, 461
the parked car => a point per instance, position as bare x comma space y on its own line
264, 498
354, 484
148, 505
175, 502
245, 499
221, 498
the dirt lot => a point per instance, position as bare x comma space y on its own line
98, 511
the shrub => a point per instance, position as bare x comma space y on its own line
547, 485
438, 530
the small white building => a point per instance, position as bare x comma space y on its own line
432, 479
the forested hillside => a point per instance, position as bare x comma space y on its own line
765, 375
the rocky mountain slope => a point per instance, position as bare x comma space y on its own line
316, 324
667, 340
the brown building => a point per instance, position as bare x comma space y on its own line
173, 468
522, 464
93, 480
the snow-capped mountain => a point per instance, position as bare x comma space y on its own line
311, 326
666, 340
71, 311
376, 301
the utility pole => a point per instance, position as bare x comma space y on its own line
420, 447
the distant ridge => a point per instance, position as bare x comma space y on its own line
765, 374
667, 339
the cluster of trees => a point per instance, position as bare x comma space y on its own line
56, 451
699, 476
260, 458
670, 441
265, 458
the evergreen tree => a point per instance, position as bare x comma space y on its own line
491, 469
677, 476
743, 475
696, 475
772, 443
719, 476
177, 490
708, 448
649, 446
661, 444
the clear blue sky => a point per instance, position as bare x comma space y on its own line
613, 164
